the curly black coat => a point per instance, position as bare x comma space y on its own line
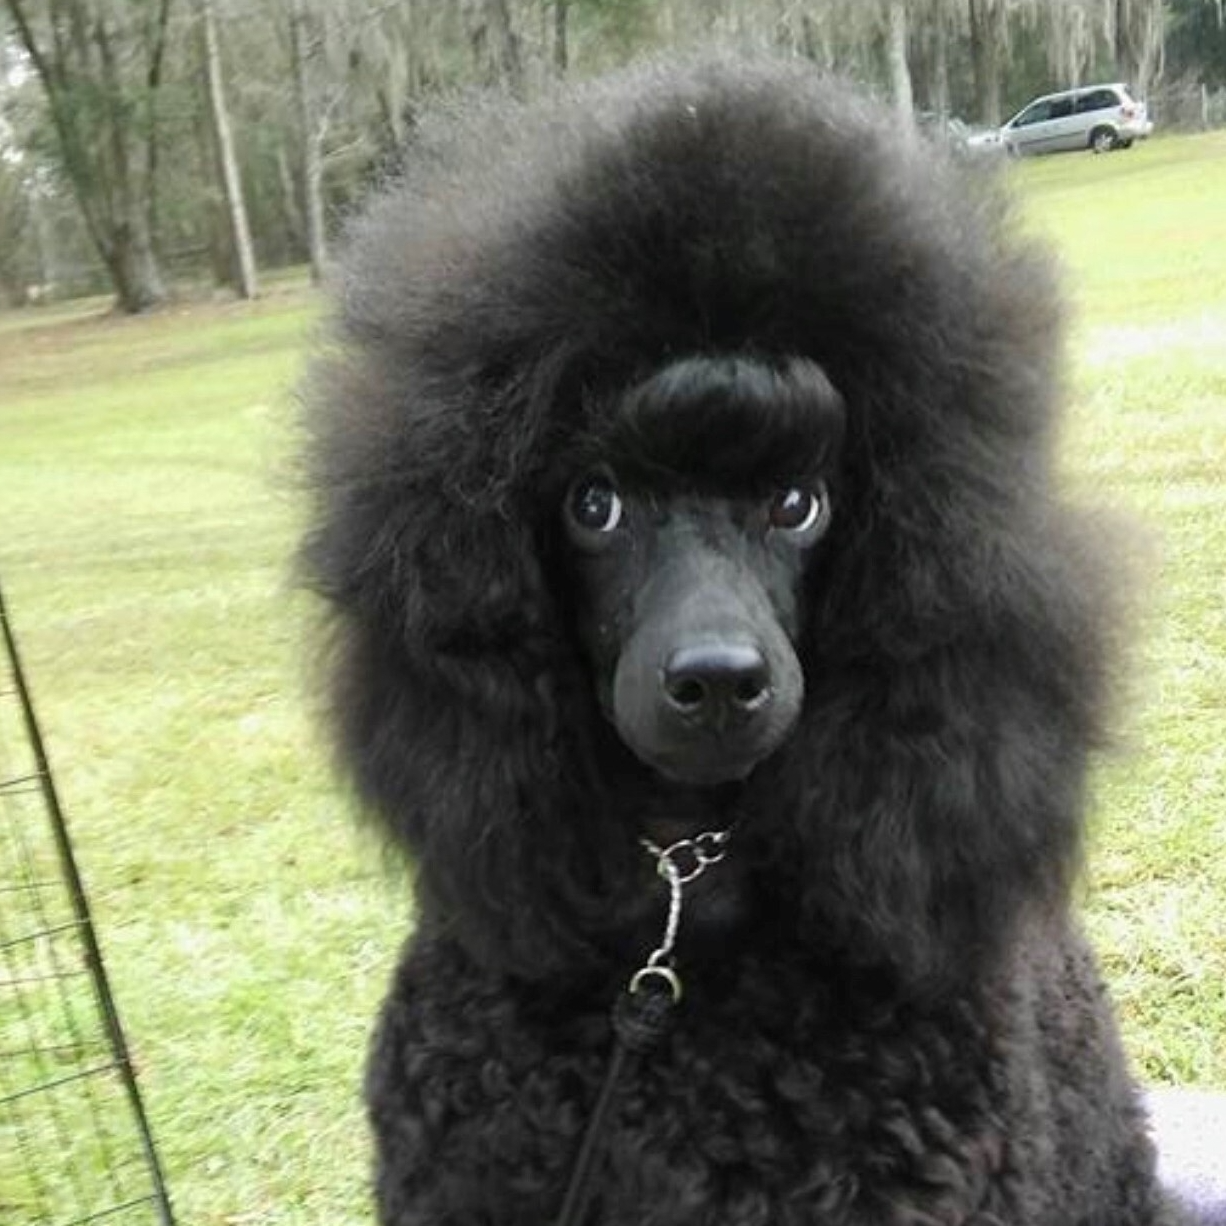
889, 1014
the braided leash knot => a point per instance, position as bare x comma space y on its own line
642, 1017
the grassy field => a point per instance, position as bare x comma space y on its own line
1143, 237
148, 516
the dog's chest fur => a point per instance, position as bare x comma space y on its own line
782, 1096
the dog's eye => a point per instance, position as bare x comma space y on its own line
798, 511
594, 505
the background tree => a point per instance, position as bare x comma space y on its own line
312, 127
231, 175
1135, 29
18, 274
1196, 40
495, 43
561, 50
321, 99
897, 35
100, 63
1071, 31
988, 23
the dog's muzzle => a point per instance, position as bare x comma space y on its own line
708, 685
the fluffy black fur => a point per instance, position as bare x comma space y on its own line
889, 1014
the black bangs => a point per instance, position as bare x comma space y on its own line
728, 419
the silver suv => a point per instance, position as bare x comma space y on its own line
1098, 117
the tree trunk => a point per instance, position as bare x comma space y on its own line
1139, 27
940, 70
220, 240
312, 130
313, 191
900, 69
231, 179
494, 43
294, 225
986, 39
561, 51
134, 268
153, 83
108, 149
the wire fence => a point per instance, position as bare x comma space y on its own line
75, 1145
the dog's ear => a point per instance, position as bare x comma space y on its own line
934, 790
448, 671
959, 636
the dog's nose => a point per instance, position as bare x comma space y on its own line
716, 684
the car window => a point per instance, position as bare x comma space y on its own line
1096, 100
1060, 108
1034, 114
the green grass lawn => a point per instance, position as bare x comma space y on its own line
148, 515
148, 512
1142, 234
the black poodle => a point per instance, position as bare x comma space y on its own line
712, 636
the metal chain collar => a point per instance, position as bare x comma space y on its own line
679, 863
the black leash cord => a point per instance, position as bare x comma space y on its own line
643, 1012
579, 1190
641, 1018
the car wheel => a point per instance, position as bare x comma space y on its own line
1102, 140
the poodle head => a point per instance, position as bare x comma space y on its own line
682, 454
